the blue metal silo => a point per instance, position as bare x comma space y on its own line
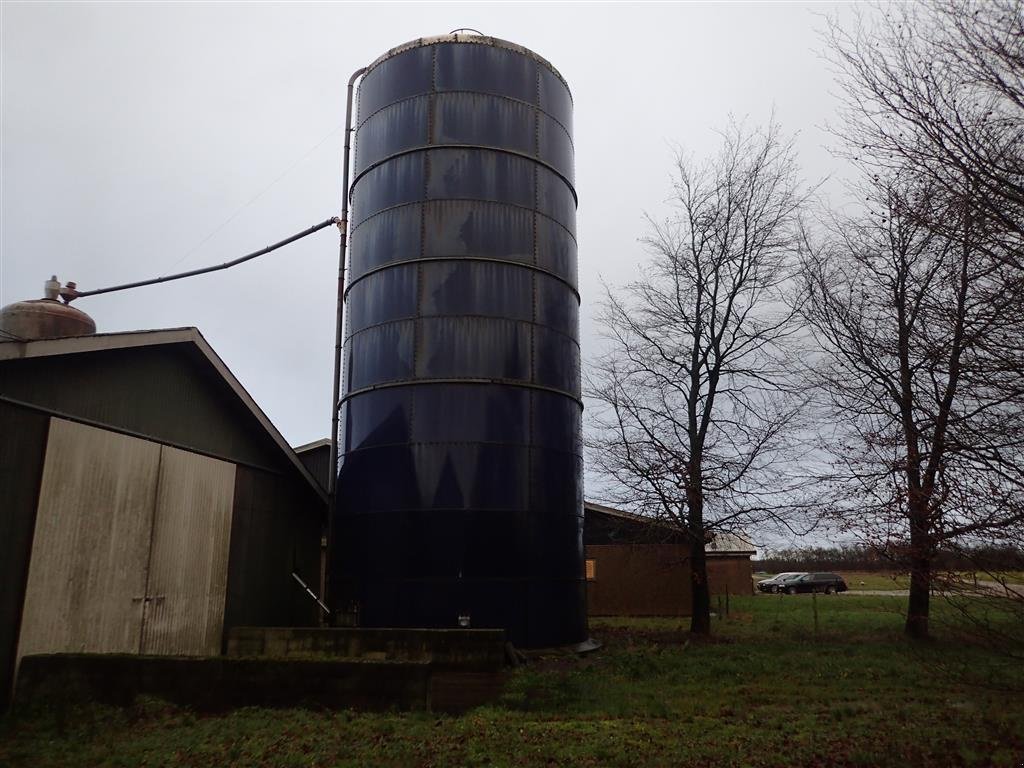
460, 491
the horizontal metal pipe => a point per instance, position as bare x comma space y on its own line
469, 91
462, 315
479, 579
475, 200
424, 382
484, 259
482, 147
192, 273
460, 443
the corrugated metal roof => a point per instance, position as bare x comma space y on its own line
16, 350
324, 442
732, 543
721, 543
316, 457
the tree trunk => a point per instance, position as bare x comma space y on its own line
700, 619
920, 582
700, 596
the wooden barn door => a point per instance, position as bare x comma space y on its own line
188, 569
87, 576
130, 551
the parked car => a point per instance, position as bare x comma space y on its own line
815, 582
776, 583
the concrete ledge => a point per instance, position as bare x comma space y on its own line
222, 683
461, 649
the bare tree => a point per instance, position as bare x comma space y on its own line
937, 89
689, 412
918, 302
920, 319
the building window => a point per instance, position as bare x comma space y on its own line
591, 570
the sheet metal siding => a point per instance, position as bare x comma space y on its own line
318, 462
188, 567
165, 393
87, 576
22, 450
276, 528
461, 479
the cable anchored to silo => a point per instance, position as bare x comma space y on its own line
70, 293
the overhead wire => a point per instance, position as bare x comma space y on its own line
258, 195
247, 257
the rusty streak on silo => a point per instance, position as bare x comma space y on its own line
460, 489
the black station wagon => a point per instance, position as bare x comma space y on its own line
828, 583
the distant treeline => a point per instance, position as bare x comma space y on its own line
865, 558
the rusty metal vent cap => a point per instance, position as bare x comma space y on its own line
43, 319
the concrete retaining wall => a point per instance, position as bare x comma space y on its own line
467, 650
221, 683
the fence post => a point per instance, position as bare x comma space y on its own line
726, 599
719, 607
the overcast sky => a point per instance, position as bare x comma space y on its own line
143, 139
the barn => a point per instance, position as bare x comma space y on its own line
149, 505
638, 566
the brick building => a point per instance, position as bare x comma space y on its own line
641, 567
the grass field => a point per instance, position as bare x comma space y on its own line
766, 690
